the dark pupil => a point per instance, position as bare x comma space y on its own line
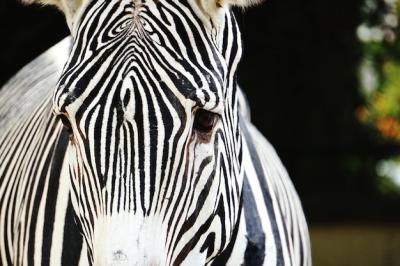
204, 120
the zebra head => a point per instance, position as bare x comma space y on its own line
149, 98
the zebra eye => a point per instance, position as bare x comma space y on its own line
66, 123
204, 121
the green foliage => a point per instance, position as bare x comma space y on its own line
386, 102
382, 48
382, 108
389, 172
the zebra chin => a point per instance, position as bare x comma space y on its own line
134, 240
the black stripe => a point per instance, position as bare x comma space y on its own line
265, 191
255, 250
72, 240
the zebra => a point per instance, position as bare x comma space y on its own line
130, 143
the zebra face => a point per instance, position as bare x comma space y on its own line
149, 98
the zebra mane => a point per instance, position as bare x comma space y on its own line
137, 25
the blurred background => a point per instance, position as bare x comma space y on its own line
323, 80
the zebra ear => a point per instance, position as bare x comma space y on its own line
214, 8
68, 7
238, 3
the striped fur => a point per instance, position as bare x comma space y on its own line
36, 217
134, 182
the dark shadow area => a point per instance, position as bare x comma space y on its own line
26, 32
299, 71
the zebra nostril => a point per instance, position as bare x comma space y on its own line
119, 255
